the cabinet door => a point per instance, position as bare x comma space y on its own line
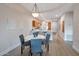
62, 26
36, 23
33, 23
49, 25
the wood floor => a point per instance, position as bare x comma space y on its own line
57, 47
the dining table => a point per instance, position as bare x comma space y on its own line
29, 37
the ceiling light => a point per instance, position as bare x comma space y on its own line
35, 11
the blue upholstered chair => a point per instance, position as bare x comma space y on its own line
23, 43
36, 46
47, 38
47, 41
35, 34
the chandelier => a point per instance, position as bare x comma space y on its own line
35, 11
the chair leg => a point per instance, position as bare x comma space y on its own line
30, 51
21, 50
40, 54
47, 47
31, 54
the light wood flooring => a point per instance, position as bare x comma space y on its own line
57, 47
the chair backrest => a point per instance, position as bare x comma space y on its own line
47, 38
21, 39
35, 34
36, 43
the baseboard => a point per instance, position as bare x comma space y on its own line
9, 49
77, 50
68, 40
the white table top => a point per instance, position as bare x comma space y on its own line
29, 37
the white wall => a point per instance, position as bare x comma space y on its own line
68, 32
59, 27
76, 27
54, 26
44, 25
12, 24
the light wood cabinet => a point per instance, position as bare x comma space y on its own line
62, 26
49, 25
36, 23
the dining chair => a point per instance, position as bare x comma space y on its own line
35, 34
47, 41
36, 46
23, 43
47, 38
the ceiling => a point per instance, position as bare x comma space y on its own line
47, 10
45, 7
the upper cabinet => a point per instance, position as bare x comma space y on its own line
62, 26
44, 25
49, 25
36, 23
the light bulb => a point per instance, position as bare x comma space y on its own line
34, 14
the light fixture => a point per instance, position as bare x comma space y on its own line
35, 11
